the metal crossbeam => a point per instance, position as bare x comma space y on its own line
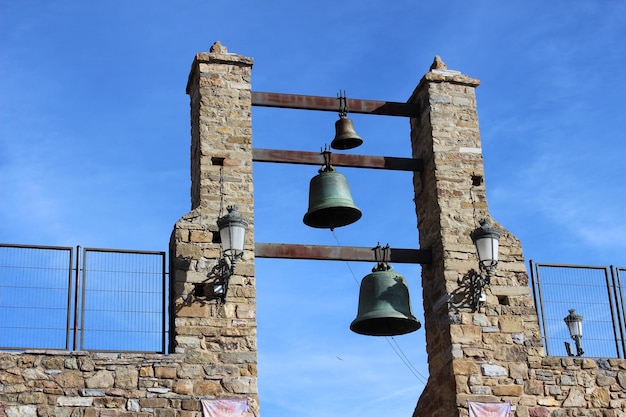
298, 101
342, 160
338, 253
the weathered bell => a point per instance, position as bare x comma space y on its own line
345, 135
330, 202
384, 305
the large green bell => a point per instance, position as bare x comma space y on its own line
330, 201
384, 305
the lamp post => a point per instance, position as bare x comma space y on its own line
486, 238
232, 228
574, 324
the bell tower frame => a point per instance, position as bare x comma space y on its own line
482, 355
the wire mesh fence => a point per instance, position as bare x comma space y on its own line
35, 296
123, 300
595, 292
106, 300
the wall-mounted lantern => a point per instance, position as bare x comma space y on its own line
486, 238
232, 228
575, 326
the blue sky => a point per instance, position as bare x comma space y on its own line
94, 149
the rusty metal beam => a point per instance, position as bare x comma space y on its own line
340, 160
297, 101
338, 253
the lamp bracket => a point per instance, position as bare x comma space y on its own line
478, 282
215, 286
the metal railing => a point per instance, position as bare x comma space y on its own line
595, 292
54, 297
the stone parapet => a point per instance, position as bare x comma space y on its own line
92, 384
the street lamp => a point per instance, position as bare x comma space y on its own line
486, 238
575, 326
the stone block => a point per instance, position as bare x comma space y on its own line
465, 334
544, 375
621, 378
101, 379
165, 372
238, 357
240, 385
85, 364
491, 370
109, 402
508, 390
199, 357
153, 402
209, 388
20, 410
191, 370
70, 379
575, 398
164, 413
511, 324
518, 370
589, 364
604, 380
194, 310
126, 378
32, 398
510, 353
91, 392
481, 390
133, 405
599, 398
146, 371
63, 401
183, 387
464, 367
34, 374
509, 291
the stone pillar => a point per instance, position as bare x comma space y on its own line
218, 341
472, 355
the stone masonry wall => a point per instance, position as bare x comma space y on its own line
493, 354
84, 384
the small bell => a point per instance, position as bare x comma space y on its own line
345, 135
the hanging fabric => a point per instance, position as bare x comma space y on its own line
477, 409
219, 407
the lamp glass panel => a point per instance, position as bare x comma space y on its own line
225, 238
575, 328
487, 248
233, 238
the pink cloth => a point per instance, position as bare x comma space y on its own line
233, 407
489, 409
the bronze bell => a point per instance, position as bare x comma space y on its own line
384, 305
345, 135
330, 201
